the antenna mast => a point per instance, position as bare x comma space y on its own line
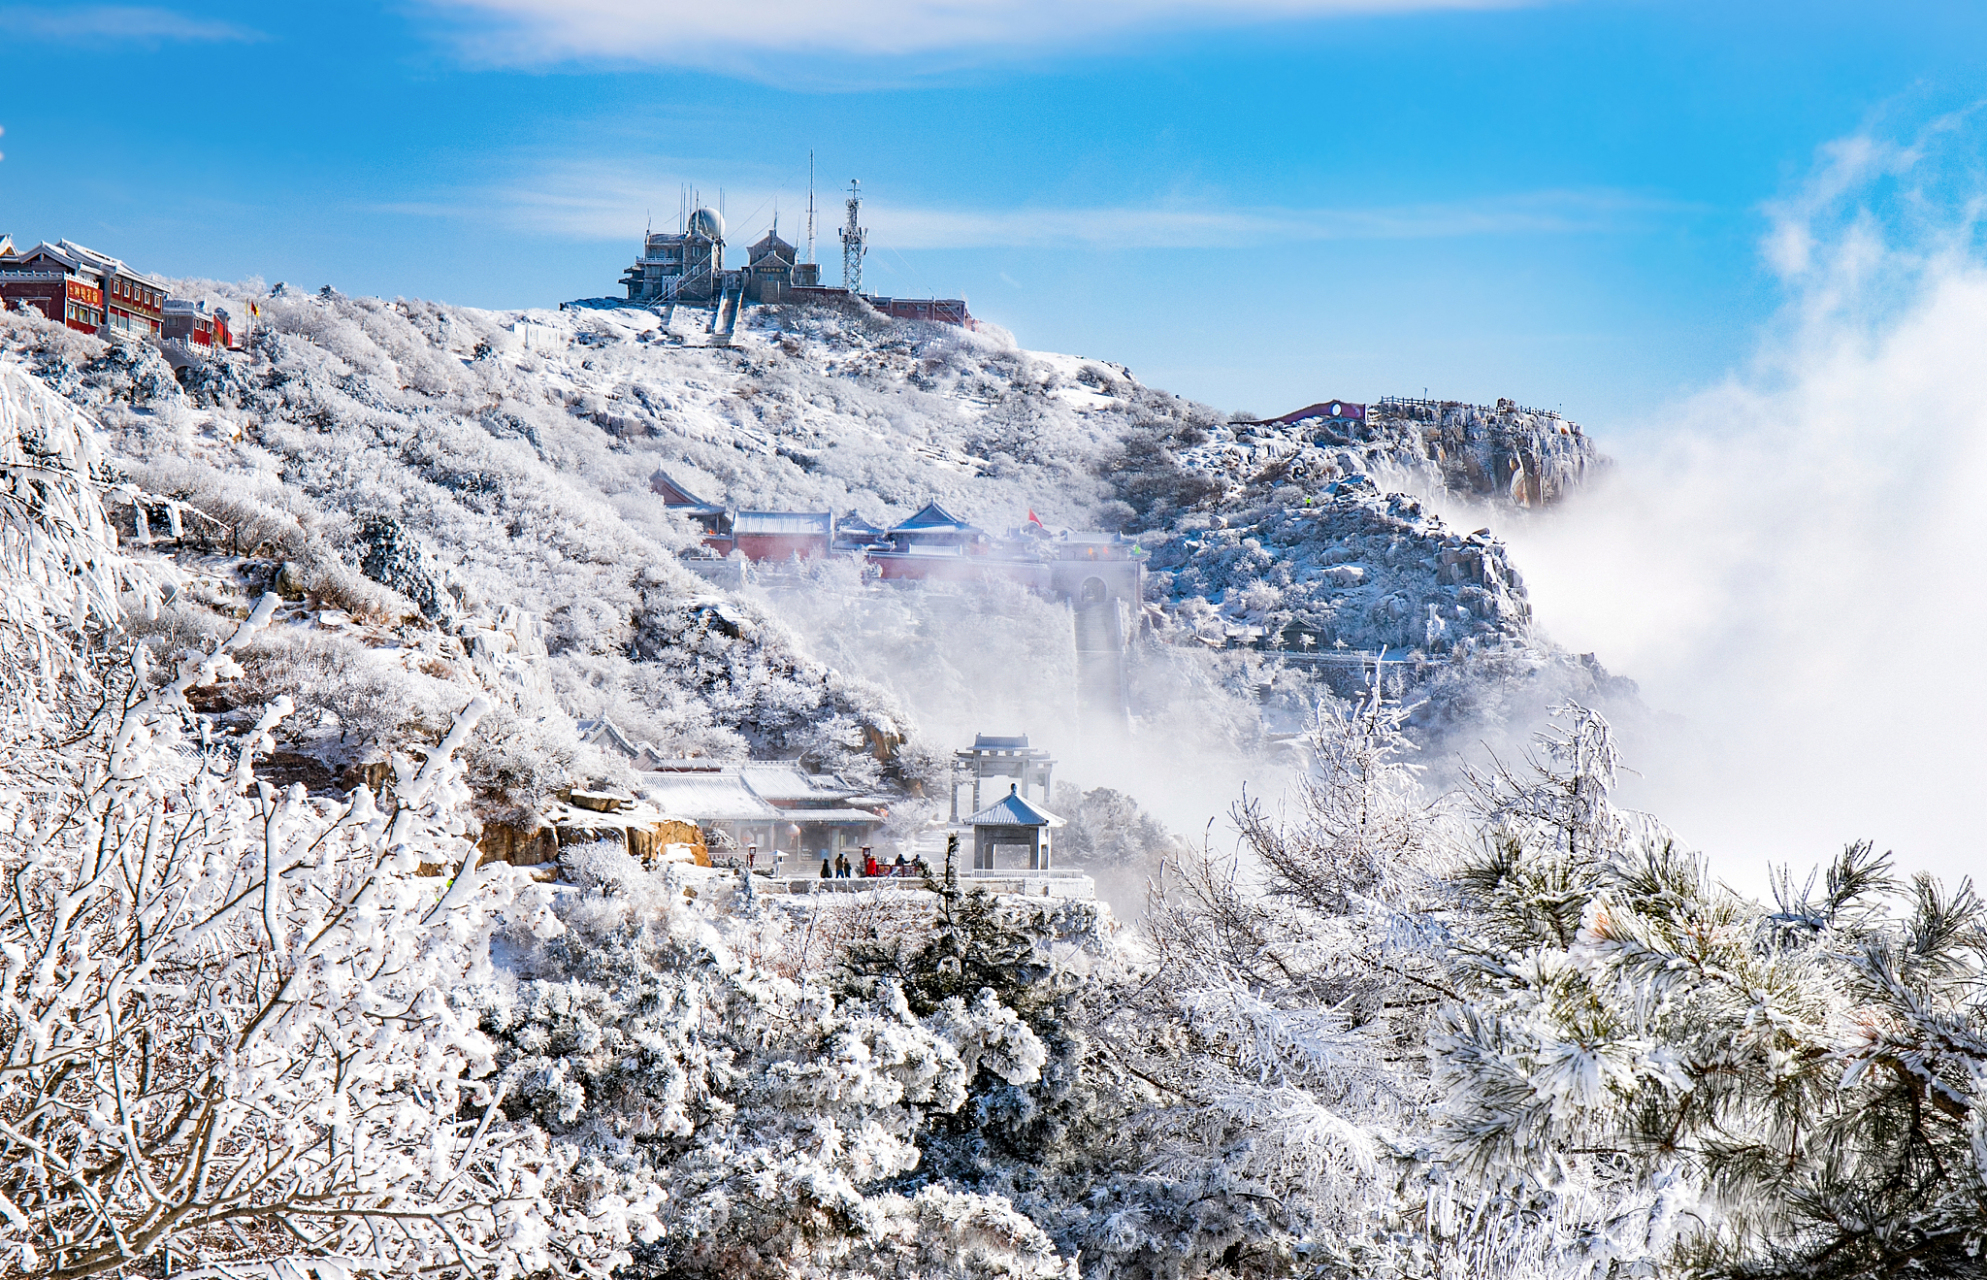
810, 204
854, 237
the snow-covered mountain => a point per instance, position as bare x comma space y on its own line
427, 471
276, 647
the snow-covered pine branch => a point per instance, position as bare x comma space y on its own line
1690, 1079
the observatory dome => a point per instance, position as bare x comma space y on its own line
708, 223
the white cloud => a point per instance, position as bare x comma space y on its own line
95, 23
704, 32
1161, 227
1790, 561
588, 202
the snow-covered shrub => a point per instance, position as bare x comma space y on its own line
227, 515
777, 1112
390, 556
374, 703
131, 371
520, 760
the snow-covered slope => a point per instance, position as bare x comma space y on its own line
1384, 1033
436, 472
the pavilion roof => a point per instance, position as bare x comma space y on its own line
933, 516
1012, 811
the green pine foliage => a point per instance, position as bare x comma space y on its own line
975, 943
1740, 1090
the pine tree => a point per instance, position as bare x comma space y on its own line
1698, 1082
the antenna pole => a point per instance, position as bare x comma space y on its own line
854, 241
810, 204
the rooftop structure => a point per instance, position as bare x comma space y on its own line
773, 807
999, 757
66, 287
857, 536
933, 527
770, 267
688, 266
713, 519
1014, 831
684, 267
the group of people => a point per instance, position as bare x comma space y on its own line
842, 867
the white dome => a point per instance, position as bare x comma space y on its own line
708, 223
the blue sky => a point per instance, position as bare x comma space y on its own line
1258, 203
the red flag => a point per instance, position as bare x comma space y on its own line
1033, 518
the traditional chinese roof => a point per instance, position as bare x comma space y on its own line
706, 797
933, 516
794, 522
781, 782
1012, 811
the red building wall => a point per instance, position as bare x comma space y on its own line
61, 298
134, 306
782, 546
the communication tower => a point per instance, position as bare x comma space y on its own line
854, 237
810, 206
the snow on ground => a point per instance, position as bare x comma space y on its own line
429, 467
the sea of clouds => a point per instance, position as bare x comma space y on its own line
1790, 561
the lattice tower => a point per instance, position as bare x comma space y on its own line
854, 241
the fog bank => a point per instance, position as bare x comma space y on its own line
1789, 561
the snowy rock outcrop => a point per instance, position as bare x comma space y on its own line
1351, 568
1501, 457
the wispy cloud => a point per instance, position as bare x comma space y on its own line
1161, 227
602, 204
700, 32
133, 23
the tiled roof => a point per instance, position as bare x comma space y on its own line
1012, 811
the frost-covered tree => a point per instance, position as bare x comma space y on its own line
60, 576
779, 1113
225, 1025
1281, 1031
1699, 1083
